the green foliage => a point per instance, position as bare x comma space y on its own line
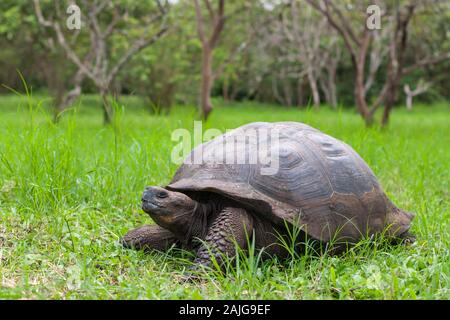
69, 192
168, 72
163, 73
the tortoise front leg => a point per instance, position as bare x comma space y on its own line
406, 238
149, 237
232, 226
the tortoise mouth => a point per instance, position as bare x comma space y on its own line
150, 206
152, 199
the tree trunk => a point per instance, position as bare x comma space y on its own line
207, 80
393, 82
360, 96
287, 92
328, 87
391, 96
275, 92
314, 89
225, 89
397, 53
332, 95
386, 113
361, 104
71, 96
66, 101
108, 112
234, 91
300, 92
409, 102
331, 82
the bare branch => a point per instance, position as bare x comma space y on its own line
97, 9
218, 24
200, 22
210, 10
427, 61
421, 87
61, 39
288, 34
117, 17
71, 53
41, 19
347, 38
233, 54
162, 7
344, 21
377, 54
380, 98
137, 46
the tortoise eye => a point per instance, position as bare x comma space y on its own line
162, 194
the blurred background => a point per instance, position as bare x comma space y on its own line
294, 53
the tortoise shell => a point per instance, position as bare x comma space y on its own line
322, 185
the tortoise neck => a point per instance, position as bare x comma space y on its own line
202, 214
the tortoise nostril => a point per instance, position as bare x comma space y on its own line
145, 197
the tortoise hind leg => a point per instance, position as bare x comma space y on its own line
149, 237
232, 226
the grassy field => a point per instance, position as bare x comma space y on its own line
69, 192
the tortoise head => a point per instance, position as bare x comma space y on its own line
169, 209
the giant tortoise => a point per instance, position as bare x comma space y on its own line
322, 187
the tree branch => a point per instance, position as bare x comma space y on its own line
137, 46
426, 62
61, 39
200, 22
210, 10
218, 24
344, 22
347, 38
41, 19
115, 20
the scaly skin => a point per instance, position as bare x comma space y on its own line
233, 226
148, 238
219, 224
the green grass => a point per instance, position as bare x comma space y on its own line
68, 192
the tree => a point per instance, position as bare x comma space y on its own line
26, 48
327, 78
233, 54
359, 44
313, 44
306, 36
421, 87
216, 23
103, 19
